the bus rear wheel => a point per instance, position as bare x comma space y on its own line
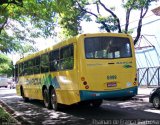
46, 98
23, 96
53, 100
156, 102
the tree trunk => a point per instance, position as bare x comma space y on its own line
117, 19
127, 20
138, 31
140, 24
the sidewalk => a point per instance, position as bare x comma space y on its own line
19, 120
143, 93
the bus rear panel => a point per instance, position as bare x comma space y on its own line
108, 68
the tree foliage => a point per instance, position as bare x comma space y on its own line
23, 20
69, 17
29, 19
6, 66
20, 22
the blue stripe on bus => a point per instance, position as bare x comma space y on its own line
90, 95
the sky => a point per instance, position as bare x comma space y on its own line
92, 27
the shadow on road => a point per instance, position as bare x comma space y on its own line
35, 113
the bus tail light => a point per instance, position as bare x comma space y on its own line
84, 83
86, 87
135, 79
83, 78
134, 83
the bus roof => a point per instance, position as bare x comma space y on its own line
56, 46
67, 42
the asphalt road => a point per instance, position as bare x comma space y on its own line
138, 111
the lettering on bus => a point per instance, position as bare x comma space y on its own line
111, 77
124, 62
126, 66
35, 81
97, 64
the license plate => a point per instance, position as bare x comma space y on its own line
111, 84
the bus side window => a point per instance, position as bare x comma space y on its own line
37, 65
16, 72
26, 68
44, 63
21, 69
54, 60
30, 67
67, 57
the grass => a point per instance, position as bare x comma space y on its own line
5, 118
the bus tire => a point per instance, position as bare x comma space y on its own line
46, 98
25, 99
156, 102
53, 100
96, 103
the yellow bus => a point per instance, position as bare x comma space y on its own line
86, 68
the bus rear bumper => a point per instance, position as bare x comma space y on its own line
92, 95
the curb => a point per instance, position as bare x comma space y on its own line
20, 120
137, 99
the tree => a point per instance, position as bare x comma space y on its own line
69, 17
6, 66
112, 22
21, 21
31, 19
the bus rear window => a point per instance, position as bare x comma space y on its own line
107, 48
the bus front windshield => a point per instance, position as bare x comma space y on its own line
107, 48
